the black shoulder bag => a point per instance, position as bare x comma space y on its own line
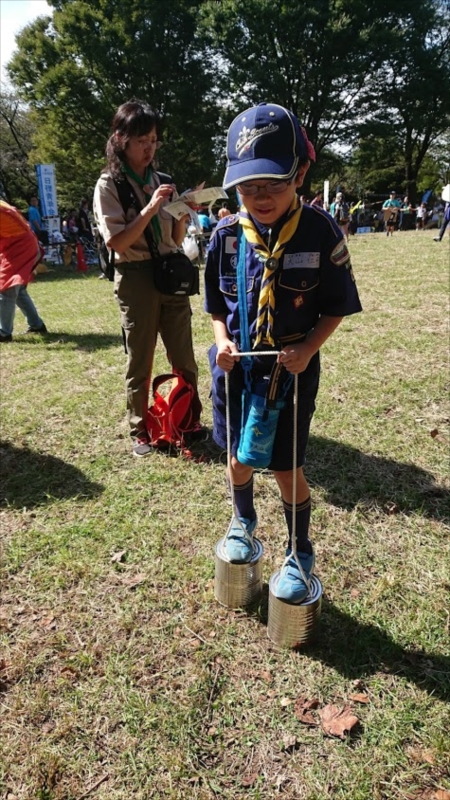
173, 273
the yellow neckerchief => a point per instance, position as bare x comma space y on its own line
266, 301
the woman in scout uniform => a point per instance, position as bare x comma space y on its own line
299, 285
144, 310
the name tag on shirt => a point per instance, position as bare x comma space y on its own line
303, 260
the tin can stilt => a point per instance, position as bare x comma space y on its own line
238, 585
289, 625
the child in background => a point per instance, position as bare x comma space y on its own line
299, 285
421, 217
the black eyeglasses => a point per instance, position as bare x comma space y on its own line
271, 187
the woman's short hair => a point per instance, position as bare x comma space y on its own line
133, 118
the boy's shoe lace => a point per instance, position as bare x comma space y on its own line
291, 585
238, 545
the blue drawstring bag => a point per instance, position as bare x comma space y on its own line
259, 425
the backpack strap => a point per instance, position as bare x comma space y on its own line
160, 379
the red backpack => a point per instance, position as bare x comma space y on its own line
171, 416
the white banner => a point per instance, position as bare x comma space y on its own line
47, 189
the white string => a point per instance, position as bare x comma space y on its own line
230, 476
294, 550
294, 466
256, 353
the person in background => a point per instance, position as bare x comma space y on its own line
204, 220
206, 228
406, 214
20, 253
223, 212
392, 207
421, 217
317, 200
145, 312
83, 222
35, 220
72, 227
294, 267
341, 213
445, 222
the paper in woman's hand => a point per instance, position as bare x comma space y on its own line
198, 196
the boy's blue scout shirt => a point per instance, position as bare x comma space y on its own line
314, 276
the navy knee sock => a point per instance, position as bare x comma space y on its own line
243, 500
302, 517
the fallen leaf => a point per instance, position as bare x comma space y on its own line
249, 780
130, 581
354, 593
442, 794
337, 721
285, 702
359, 698
434, 433
48, 622
303, 708
289, 742
119, 556
421, 756
48, 727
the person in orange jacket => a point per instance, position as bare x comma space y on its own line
20, 253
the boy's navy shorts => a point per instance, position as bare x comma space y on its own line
282, 456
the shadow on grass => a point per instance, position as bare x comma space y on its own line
80, 341
357, 650
32, 479
351, 477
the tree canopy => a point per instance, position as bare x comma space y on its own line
356, 74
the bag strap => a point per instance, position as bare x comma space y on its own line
160, 379
242, 304
275, 391
128, 197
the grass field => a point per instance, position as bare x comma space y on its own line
120, 675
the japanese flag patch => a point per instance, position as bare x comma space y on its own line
231, 245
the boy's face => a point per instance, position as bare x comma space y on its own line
268, 208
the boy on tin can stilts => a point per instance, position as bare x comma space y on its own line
298, 285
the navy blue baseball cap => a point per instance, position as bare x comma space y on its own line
265, 141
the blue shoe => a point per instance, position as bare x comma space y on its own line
238, 546
291, 585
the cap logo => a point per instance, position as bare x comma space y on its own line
247, 137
